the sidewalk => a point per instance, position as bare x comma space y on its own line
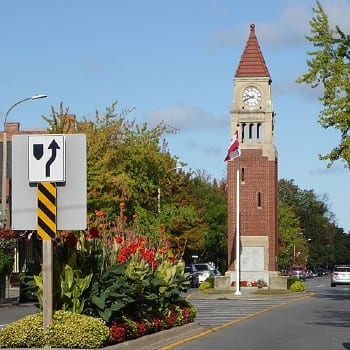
11, 296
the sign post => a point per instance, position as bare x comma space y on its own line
47, 228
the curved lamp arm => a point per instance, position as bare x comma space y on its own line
35, 97
3, 216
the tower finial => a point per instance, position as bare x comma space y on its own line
252, 27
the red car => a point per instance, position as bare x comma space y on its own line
298, 271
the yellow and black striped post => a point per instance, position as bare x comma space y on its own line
47, 210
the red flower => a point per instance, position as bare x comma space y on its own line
133, 247
153, 264
93, 233
71, 239
141, 328
186, 315
118, 239
117, 332
121, 258
157, 324
170, 318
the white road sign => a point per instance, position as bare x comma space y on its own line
46, 158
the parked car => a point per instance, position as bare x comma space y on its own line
309, 274
298, 271
320, 271
193, 276
205, 270
340, 275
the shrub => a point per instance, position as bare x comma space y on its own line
68, 330
291, 280
211, 281
25, 333
204, 285
298, 286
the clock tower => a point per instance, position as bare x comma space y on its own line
253, 116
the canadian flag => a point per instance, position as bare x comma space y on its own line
233, 150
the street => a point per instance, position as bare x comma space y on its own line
11, 313
320, 322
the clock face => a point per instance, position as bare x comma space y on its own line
251, 96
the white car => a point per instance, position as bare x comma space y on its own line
340, 275
206, 270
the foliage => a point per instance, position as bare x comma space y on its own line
329, 67
298, 286
211, 280
70, 330
288, 234
215, 213
6, 263
111, 271
72, 286
131, 164
7, 249
306, 222
147, 277
205, 285
24, 333
291, 280
67, 330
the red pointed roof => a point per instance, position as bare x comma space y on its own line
252, 63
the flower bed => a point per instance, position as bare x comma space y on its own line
130, 281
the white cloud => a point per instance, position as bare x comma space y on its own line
186, 118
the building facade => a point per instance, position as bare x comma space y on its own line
253, 116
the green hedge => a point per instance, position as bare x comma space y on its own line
68, 330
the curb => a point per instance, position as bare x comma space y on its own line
159, 339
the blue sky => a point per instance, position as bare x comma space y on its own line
173, 61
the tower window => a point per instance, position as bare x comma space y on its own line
259, 133
251, 133
244, 133
259, 199
242, 175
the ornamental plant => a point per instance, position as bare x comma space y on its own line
7, 249
140, 276
111, 271
8, 241
67, 330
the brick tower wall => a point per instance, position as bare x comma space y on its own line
258, 174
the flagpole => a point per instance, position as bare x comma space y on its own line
238, 268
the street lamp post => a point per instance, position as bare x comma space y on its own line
4, 159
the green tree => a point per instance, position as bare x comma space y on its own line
329, 68
130, 164
303, 211
288, 235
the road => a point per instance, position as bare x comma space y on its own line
320, 322
11, 313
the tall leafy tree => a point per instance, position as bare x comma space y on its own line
321, 242
329, 68
130, 164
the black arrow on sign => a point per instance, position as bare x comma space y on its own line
53, 146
